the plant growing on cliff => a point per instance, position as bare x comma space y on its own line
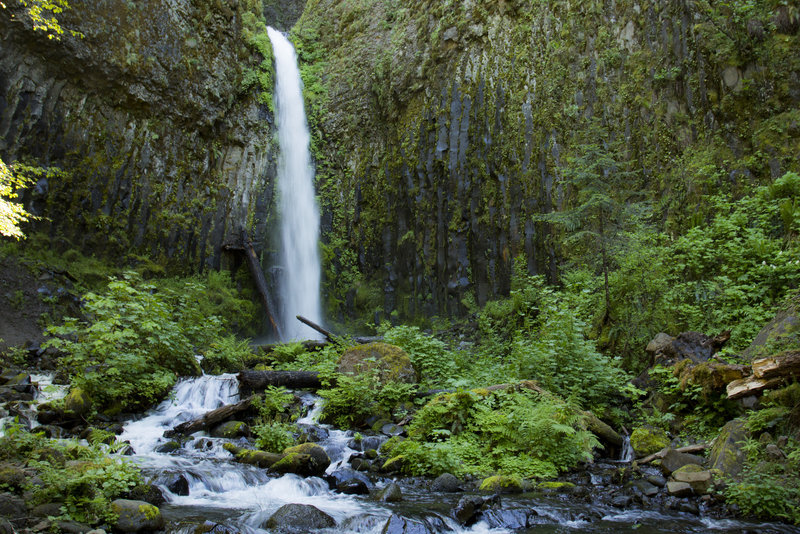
12, 213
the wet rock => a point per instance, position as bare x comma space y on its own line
502, 484
230, 430
391, 362
349, 482
470, 507
209, 527
72, 527
656, 480
11, 506
203, 444
314, 434
391, 493
149, 493
393, 464
12, 477
136, 516
391, 429
401, 525
446, 483
648, 440
179, 485
506, 519
774, 453
168, 447
727, 455
646, 488
556, 486
698, 478
362, 523
674, 460
621, 501
298, 518
679, 489
308, 459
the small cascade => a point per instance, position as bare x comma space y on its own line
299, 285
626, 454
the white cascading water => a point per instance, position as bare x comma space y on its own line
299, 256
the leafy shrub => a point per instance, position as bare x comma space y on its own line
482, 432
132, 343
430, 357
84, 478
354, 398
272, 402
275, 436
227, 354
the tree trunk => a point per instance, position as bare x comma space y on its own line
261, 283
213, 417
786, 364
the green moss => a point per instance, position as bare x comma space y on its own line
646, 440
502, 484
149, 511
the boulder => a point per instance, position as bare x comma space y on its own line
502, 484
252, 457
727, 455
168, 447
679, 489
393, 464
391, 362
400, 525
77, 401
230, 430
12, 507
780, 333
178, 485
674, 460
514, 520
470, 507
349, 482
391, 493
713, 377
149, 493
647, 488
446, 483
659, 344
698, 478
308, 459
694, 346
298, 518
136, 516
647, 440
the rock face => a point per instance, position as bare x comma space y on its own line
727, 454
163, 146
391, 362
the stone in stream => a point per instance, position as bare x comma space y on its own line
168, 447
298, 518
679, 489
349, 482
506, 519
470, 507
400, 525
178, 485
308, 459
446, 483
502, 484
698, 478
136, 516
727, 454
391, 493
252, 457
230, 430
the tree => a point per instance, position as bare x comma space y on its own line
11, 212
42, 13
598, 201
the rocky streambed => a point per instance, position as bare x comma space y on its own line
336, 482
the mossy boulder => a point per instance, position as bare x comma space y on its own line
712, 377
393, 464
556, 486
391, 362
252, 457
307, 459
230, 430
648, 440
698, 478
727, 454
136, 516
77, 401
781, 333
502, 484
391, 493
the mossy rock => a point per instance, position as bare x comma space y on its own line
252, 457
648, 440
391, 362
136, 516
556, 486
77, 401
712, 377
502, 484
396, 463
782, 333
230, 430
389, 445
307, 459
698, 478
727, 454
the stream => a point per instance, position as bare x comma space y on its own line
235, 497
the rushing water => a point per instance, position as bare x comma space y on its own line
299, 256
243, 497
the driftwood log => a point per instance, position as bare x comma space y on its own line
259, 380
213, 417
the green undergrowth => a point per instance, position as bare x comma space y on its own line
481, 432
83, 479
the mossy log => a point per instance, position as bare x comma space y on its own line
259, 380
213, 417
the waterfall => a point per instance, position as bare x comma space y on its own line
299, 255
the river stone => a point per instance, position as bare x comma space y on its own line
502, 484
307, 459
679, 489
391, 429
77, 401
506, 519
647, 488
252, 457
178, 485
674, 460
401, 525
136, 516
446, 483
391, 493
656, 480
149, 493
168, 447
727, 455
230, 430
391, 362
298, 518
698, 478
469, 508
349, 482
362, 523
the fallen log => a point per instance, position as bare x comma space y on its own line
786, 364
751, 386
327, 333
259, 380
213, 417
311, 344
689, 449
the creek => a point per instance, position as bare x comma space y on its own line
240, 498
